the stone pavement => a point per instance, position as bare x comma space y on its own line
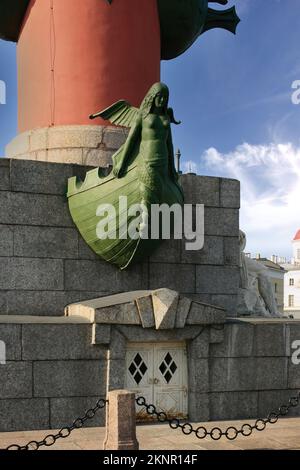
283, 435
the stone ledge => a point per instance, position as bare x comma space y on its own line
161, 309
25, 319
93, 145
258, 320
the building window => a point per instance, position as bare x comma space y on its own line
292, 282
291, 301
275, 288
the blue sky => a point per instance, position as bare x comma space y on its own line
233, 96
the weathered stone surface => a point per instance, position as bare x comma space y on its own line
169, 251
204, 190
217, 279
102, 277
165, 302
238, 341
31, 273
11, 336
198, 348
183, 308
3, 302
178, 277
101, 334
139, 334
69, 378
230, 193
64, 410
33, 209
68, 155
293, 375
6, 241
237, 374
229, 302
121, 426
211, 253
292, 334
233, 405
4, 174
19, 145
42, 303
114, 137
126, 314
66, 144
116, 373
16, 380
270, 340
145, 310
85, 252
89, 308
74, 136
199, 407
90, 275
221, 222
61, 342
97, 157
45, 242
200, 297
40, 177
135, 277
216, 334
24, 414
117, 346
231, 251
198, 375
271, 400
201, 314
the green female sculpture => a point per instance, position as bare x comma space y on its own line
143, 173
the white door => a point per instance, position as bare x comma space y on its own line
158, 371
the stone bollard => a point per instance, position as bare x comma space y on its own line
121, 421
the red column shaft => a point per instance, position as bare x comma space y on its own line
76, 57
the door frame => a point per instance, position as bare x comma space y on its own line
198, 339
155, 388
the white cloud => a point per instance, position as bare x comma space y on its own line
270, 185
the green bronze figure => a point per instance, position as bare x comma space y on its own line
143, 172
150, 136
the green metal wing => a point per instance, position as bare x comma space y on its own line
120, 113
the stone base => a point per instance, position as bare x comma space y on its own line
53, 372
82, 145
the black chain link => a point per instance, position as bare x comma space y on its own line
51, 439
216, 433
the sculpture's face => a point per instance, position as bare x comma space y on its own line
161, 99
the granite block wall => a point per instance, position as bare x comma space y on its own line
45, 264
54, 373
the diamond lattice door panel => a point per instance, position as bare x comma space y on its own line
158, 371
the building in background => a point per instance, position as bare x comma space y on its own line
292, 281
276, 273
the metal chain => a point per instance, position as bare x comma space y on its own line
64, 432
216, 433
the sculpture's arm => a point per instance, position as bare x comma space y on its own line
122, 157
172, 169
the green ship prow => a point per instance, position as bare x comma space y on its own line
84, 199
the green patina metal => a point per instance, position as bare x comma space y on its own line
143, 172
181, 21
